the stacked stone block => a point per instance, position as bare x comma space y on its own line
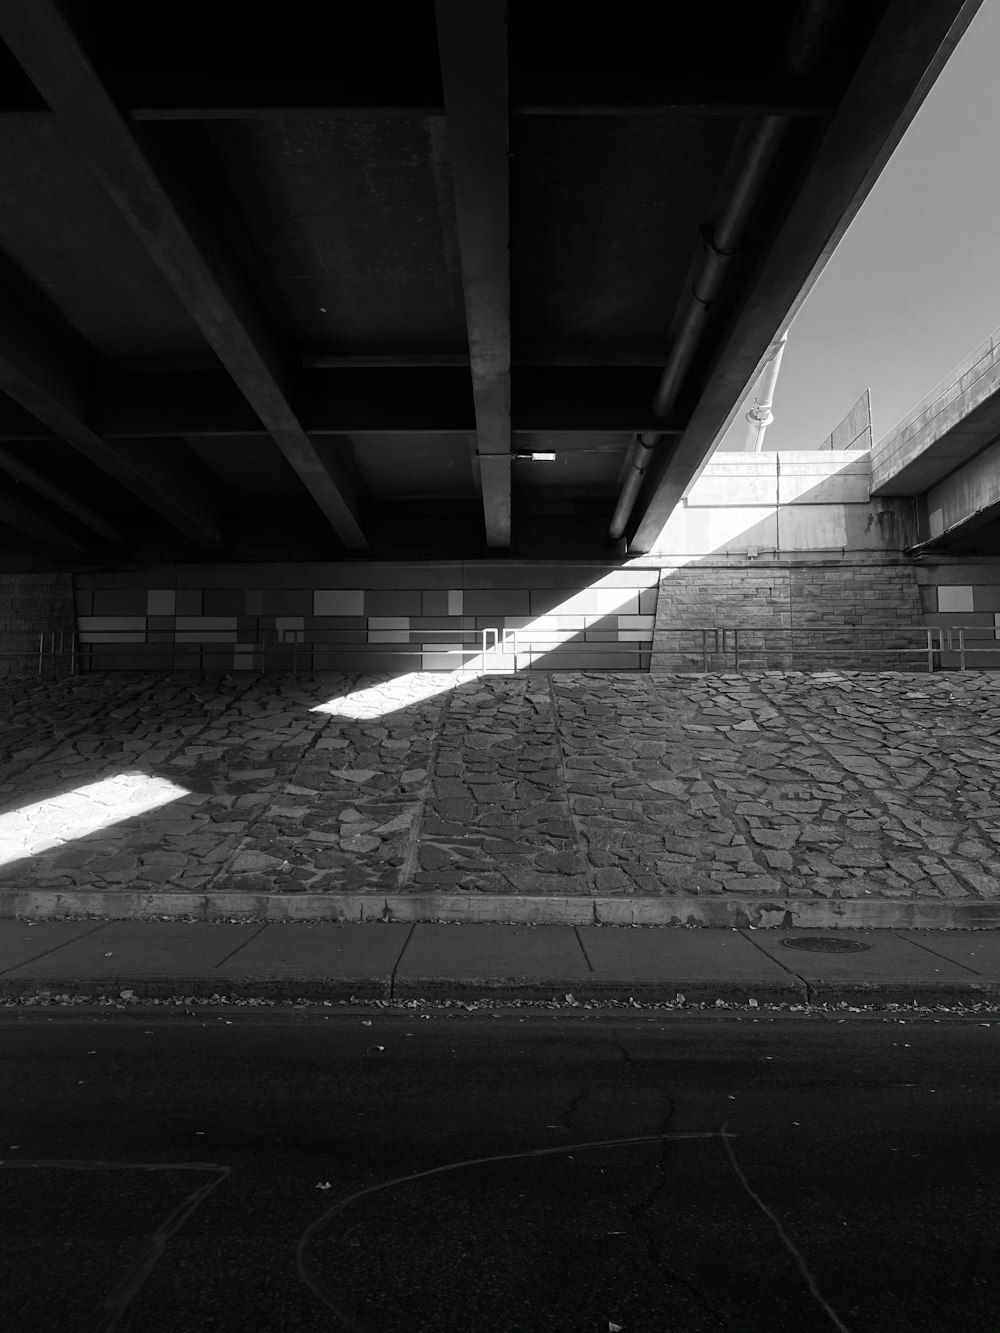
791, 615
31, 606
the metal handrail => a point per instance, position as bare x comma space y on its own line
52, 645
498, 644
726, 640
494, 644
991, 633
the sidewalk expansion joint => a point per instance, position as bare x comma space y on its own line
101, 925
583, 948
800, 979
243, 944
934, 954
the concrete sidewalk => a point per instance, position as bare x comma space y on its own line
397, 960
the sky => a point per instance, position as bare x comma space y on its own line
914, 286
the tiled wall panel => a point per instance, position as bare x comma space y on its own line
963, 595
369, 617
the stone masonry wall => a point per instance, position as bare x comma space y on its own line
30, 605
859, 613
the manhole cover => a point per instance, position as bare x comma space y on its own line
825, 944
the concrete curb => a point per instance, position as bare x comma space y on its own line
734, 911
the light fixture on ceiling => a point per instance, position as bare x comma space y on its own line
537, 457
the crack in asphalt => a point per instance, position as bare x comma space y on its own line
564, 1117
640, 1213
786, 1240
117, 1301
322, 1290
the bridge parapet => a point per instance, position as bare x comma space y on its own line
955, 420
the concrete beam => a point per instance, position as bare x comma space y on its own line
952, 423
472, 39
965, 500
40, 369
31, 520
33, 480
376, 400
905, 56
170, 100
195, 261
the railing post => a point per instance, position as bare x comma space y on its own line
736, 648
961, 648
930, 651
704, 651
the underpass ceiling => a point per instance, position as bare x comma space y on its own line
252, 271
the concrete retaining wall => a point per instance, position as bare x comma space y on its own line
788, 549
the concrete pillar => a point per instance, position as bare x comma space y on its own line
759, 417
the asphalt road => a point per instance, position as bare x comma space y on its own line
281, 1172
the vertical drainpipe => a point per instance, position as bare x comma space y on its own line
722, 242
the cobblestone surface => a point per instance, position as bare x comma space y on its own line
826, 785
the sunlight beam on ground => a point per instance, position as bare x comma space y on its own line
386, 696
534, 638
75, 814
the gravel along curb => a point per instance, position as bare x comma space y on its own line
293, 990
514, 909
984, 1012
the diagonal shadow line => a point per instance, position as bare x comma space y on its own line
170, 754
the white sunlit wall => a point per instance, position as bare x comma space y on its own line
789, 549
